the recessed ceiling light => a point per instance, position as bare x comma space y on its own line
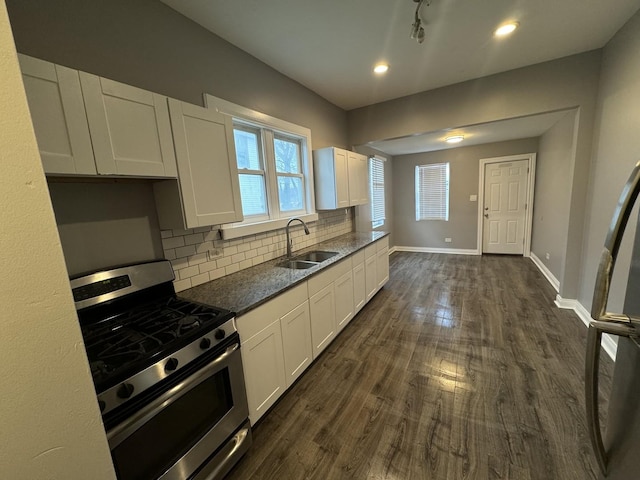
381, 68
454, 139
505, 29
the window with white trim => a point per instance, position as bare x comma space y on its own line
273, 158
432, 192
376, 187
272, 180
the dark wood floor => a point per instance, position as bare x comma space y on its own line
461, 367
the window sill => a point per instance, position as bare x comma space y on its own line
236, 230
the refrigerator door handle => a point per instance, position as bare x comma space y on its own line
592, 366
612, 244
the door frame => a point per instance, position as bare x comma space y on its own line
531, 180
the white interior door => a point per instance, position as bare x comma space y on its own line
504, 210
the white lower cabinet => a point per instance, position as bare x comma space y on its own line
264, 374
296, 342
282, 337
344, 300
382, 262
323, 318
371, 278
359, 282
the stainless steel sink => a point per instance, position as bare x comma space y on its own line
298, 264
316, 256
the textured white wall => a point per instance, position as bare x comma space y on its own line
50, 426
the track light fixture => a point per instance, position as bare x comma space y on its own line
417, 30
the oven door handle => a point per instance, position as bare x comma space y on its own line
120, 432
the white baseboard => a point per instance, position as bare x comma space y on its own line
608, 343
555, 283
392, 250
451, 251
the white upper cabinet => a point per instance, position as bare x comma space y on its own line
88, 125
130, 128
209, 190
331, 175
58, 115
358, 179
341, 178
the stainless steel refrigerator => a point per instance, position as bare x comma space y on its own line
617, 444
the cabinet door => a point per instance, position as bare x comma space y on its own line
382, 267
371, 279
130, 129
296, 341
358, 179
359, 287
58, 116
263, 366
344, 300
342, 177
207, 171
323, 319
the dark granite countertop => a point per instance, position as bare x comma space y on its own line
245, 290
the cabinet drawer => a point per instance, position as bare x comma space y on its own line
382, 244
357, 257
259, 318
327, 276
370, 251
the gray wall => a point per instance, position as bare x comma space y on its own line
566, 83
462, 226
363, 213
554, 170
616, 150
105, 224
147, 44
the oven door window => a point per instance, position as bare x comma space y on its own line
162, 441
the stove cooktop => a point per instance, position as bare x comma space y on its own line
120, 346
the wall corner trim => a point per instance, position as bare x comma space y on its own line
450, 251
555, 283
608, 343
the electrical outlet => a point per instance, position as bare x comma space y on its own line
473, 198
447, 240
547, 255
215, 252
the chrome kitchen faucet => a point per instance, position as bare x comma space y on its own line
289, 241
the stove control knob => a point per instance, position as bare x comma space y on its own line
205, 343
219, 334
125, 390
171, 365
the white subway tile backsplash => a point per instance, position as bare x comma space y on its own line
187, 249
172, 242
197, 259
180, 285
188, 272
193, 239
199, 279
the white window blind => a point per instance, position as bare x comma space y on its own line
432, 192
376, 180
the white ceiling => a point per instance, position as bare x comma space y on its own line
499, 131
330, 46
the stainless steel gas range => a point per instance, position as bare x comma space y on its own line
167, 372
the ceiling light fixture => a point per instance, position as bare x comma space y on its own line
505, 29
381, 68
454, 139
417, 30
